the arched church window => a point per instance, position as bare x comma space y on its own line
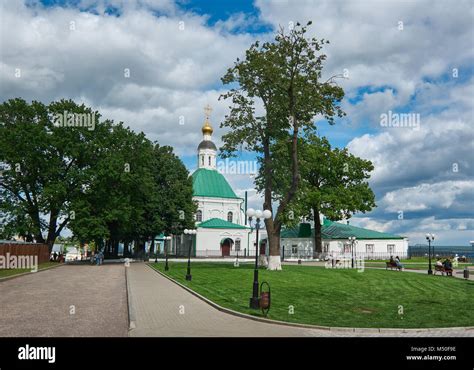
209, 160
230, 216
202, 160
199, 216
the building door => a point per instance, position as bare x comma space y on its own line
226, 246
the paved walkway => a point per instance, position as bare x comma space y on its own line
161, 308
66, 301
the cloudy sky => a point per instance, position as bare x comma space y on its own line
154, 64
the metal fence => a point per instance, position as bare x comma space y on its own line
441, 251
289, 252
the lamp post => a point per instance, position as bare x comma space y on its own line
352, 240
429, 238
258, 214
166, 252
189, 232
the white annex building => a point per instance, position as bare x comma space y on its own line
222, 230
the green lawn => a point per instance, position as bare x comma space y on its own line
333, 297
10, 272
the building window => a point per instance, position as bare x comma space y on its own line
202, 160
237, 245
390, 248
199, 216
369, 248
294, 249
209, 160
347, 248
326, 247
230, 216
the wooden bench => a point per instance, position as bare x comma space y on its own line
449, 272
392, 265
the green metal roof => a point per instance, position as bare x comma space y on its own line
210, 183
217, 223
336, 230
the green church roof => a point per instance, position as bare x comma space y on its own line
210, 183
217, 223
336, 230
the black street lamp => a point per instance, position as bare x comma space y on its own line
430, 238
266, 214
352, 240
190, 232
166, 252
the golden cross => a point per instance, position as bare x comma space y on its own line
207, 111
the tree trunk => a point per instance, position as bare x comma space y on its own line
116, 247
318, 243
274, 259
152, 247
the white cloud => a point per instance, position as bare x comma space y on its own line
173, 70
427, 196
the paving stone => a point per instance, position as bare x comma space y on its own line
42, 304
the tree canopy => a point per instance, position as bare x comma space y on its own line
103, 182
334, 183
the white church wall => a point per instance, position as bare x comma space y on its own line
219, 207
208, 241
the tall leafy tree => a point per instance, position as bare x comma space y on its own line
45, 166
284, 76
334, 184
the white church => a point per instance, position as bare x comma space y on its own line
220, 218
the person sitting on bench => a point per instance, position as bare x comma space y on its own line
398, 263
448, 267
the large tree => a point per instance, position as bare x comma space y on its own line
334, 184
283, 76
45, 166
172, 208
142, 189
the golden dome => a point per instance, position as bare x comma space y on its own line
207, 129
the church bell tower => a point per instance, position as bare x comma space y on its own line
207, 150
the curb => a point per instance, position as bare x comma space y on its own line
131, 310
309, 326
29, 273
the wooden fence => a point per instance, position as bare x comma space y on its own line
25, 249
